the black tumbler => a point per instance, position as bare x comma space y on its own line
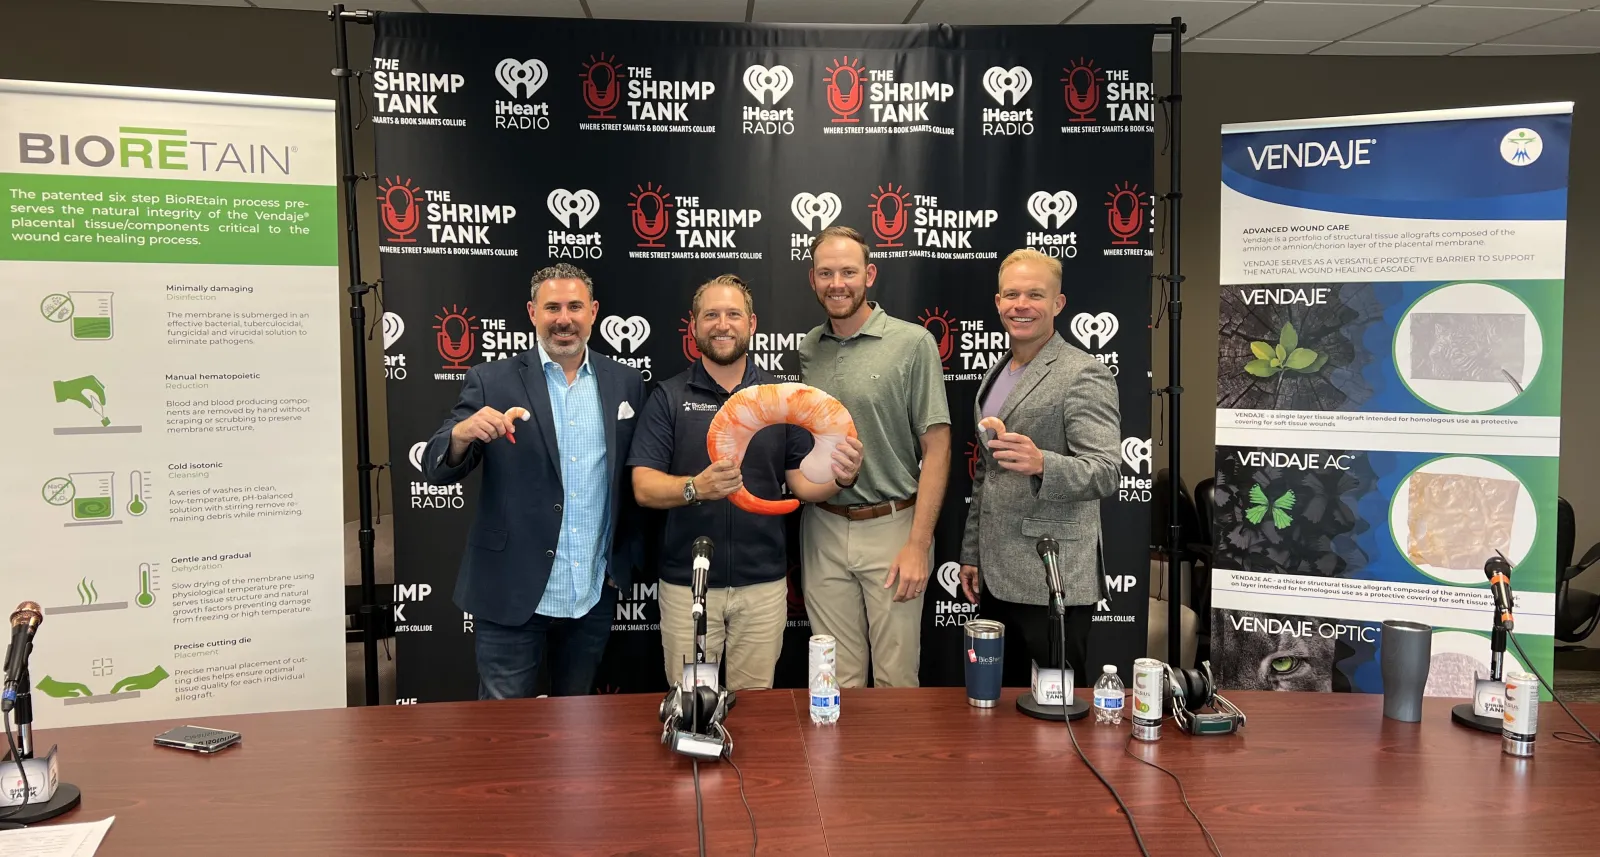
1407, 649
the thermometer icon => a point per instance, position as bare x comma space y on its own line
136, 506
144, 598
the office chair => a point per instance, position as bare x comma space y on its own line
1577, 610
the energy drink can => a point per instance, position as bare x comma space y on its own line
1149, 682
1521, 715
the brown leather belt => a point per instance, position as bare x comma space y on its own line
868, 511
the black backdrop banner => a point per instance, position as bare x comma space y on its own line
658, 155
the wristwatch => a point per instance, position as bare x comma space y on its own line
689, 494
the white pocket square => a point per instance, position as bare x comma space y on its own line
625, 411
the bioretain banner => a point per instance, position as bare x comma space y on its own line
171, 262
658, 155
1389, 391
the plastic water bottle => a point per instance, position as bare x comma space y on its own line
824, 681
1108, 697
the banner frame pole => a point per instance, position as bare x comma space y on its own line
1174, 389
358, 322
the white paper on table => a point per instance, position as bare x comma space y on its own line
61, 840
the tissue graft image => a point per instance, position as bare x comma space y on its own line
1457, 521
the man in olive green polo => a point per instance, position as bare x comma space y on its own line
866, 555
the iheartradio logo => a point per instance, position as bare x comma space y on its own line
415, 456
1136, 454
393, 328
950, 578
1088, 328
761, 81
632, 331
819, 209
521, 78
565, 205
1052, 210
1000, 82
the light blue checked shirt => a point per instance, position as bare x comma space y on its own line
580, 565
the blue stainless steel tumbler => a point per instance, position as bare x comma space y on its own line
984, 654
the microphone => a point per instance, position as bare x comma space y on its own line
1498, 571
24, 622
1052, 570
701, 570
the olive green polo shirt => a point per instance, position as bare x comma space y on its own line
889, 378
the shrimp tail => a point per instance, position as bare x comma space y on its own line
758, 506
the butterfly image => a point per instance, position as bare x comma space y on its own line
1259, 506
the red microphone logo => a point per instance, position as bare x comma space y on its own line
650, 204
1083, 89
691, 349
889, 214
455, 340
942, 326
600, 89
397, 203
845, 94
1125, 212
972, 461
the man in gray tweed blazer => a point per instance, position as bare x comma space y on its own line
1044, 475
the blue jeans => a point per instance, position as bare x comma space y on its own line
509, 656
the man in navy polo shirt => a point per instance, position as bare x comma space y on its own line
746, 605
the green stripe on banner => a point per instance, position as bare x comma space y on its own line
92, 219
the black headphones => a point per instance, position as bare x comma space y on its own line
1190, 692
697, 710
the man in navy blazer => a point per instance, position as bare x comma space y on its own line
554, 536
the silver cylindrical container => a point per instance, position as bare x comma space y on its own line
1149, 683
1521, 714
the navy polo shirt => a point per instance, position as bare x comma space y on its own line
671, 438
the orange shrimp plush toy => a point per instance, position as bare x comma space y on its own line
754, 408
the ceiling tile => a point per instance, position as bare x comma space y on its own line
1458, 24
1498, 50
669, 10
352, 5
1250, 46
1580, 30
1199, 15
995, 11
1303, 21
541, 8
832, 11
1389, 49
1524, 4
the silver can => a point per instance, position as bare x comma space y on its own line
821, 655
1149, 683
1521, 716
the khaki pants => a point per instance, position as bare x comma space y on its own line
749, 619
845, 565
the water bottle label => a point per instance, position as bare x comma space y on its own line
829, 701
1108, 701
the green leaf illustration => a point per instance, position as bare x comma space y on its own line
1281, 518
1288, 340
1261, 350
1300, 358
1255, 513
1258, 496
1279, 354
1317, 364
1260, 369
1285, 502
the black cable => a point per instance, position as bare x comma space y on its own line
1529, 663
1061, 616
699, 808
1182, 795
22, 769
755, 838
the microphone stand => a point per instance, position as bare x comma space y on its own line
1071, 708
1463, 714
67, 796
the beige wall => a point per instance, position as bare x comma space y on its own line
290, 53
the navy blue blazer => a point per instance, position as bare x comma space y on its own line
512, 543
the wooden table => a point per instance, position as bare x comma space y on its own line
914, 771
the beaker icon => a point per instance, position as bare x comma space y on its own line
93, 500
91, 315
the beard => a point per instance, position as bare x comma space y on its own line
833, 312
547, 339
740, 346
